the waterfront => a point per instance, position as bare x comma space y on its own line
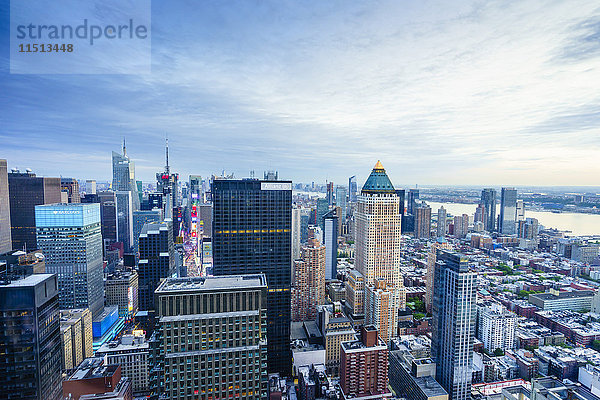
578, 224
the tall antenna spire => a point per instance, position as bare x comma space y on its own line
124, 148
167, 154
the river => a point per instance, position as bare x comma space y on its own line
579, 224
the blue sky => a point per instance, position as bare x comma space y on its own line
487, 92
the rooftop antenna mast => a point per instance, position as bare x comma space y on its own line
124, 148
167, 154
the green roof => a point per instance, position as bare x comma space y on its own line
378, 181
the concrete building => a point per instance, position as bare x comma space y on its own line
442, 225
121, 288
309, 281
364, 367
94, 379
210, 337
422, 221
379, 309
296, 233
70, 237
131, 352
79, 324
496, 327
355, 294
439, 244
379, 235
30, 355
461, 225
414, 378
556, 300
335, 328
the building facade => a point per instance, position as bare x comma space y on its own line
211, 338
70, 237
5, 238
454, 318
330, 235
252, 234
496, 327
30, 359
309, 281
122, 289
422, 221
488, 200
508, 211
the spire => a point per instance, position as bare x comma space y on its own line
167, 155
378, 181
378, 166
124, 148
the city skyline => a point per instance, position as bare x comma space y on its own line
486, 94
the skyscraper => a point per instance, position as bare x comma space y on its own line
212, 338
296, 234
341, 200
167, 184
508, 211
441, 222
454, 316
440, 243
30, 359
330, 195
70, 186
125, 219
140, 218
379, 237
70, 237
330, 234
157, 260
422, 221
124, 176
461, 225
90, 186
252, 234
488, 199
496, 327
322, 209
352, 189
401, 193
379, 309
413, 196
520, 210
309, 281
27, 191
5, 240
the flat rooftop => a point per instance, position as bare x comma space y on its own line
93, 368
31, 280
212, 283
563, 295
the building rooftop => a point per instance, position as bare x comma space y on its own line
93, 368
378, 181
563, 295
31, 280
212, 283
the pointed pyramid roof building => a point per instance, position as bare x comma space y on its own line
378, 181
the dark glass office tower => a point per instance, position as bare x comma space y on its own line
27, 191
157, 260
252, 224
413, 196
5, 241
488, 199
454, 314
30, 346
508, 211
401, 193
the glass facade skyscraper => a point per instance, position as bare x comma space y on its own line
508, 212
70, 237
488, 199
252, 221
124, 176
454, 314
30, 345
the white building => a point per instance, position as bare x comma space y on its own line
496, 327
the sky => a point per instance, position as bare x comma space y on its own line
447, 93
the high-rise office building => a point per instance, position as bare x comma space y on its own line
422, 221
330, 194
480, 214
496, 327
454, 316
321, 210
520, 210
508, 211
330, 234
122, 289
140, 218
70, 186
341, 200
252, 234
30, 359
488, 199
125, 219
413, 197
441, 222
352, 189
167, 184
124, 176
364, 367
70, 237
401, 193
211, 338
79, 324
355, 294
309, 281
157, 260
5, 240
528, 229
378, 235
27, 191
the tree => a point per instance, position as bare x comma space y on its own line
596, 345
498, 352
